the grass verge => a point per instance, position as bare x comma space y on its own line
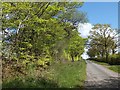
115, 68
58, 75
69, 74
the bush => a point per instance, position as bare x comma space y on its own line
114, 59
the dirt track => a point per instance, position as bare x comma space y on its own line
100, 77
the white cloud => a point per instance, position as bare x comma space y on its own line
84, 55
84, 29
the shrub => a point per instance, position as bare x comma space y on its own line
114, 59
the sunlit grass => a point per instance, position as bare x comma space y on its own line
101, 63
58, 75
115, 68
69, 74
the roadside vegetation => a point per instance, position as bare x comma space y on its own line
103, 46
58, 75
41, 45
115, 68
37, 35
69, 74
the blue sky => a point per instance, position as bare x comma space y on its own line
101, 12
98, 12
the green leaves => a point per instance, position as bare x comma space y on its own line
102, 41
76, 45
40, 33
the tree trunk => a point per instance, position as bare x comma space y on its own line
102, 54
72, 58
113, 51
106, 56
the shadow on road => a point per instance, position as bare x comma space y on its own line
106, 84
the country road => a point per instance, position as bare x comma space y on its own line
100, 77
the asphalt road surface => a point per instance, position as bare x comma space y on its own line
99, 76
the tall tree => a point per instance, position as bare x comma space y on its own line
76, 46
103, 39
33, 31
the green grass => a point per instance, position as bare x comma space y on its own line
69, 74
115, 68
58, 75
101, 63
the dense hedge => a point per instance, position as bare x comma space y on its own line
112, 59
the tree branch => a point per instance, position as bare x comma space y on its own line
44, 9
19, 26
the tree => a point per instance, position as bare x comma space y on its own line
38, 32
103, 40
91, 52
76, 46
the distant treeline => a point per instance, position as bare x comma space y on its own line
112, 59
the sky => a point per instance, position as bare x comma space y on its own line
98, 12
101, 12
